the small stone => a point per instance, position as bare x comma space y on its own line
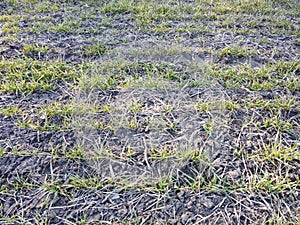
180, 194
185, 217
115, 196
206, 202
233, 174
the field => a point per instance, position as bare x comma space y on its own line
149, 112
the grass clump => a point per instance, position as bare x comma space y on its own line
272, 104
33, 49
10, 111
27, 76
277, 151
118, 7
235, 51
94, 50
279, 75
